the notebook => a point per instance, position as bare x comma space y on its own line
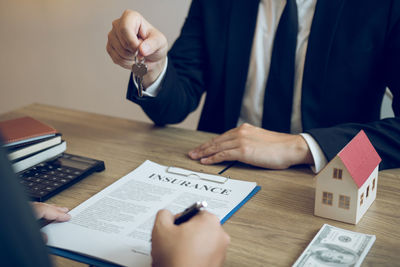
24, 129
29, 148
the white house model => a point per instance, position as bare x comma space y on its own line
346, 187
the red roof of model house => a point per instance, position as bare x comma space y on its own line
360, 158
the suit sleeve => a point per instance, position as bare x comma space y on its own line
383, 134
183, 83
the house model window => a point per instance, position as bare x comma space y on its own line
337, 174
361, 199
344, 202
327, 198
366, 195
373, 184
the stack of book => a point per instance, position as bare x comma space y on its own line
30, 142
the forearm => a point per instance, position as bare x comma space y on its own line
384, 136
178, 95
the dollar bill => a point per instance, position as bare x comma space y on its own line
333, 246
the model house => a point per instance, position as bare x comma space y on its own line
346, 187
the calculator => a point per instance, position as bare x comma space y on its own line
46, 179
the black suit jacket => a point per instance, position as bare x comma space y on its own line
20, 241
353, 55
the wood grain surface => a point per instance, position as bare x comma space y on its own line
272, 229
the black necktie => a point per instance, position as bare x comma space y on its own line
278, 97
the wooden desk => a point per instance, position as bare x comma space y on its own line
272, 229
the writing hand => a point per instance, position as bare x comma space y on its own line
131, 33
199, 242
255, 146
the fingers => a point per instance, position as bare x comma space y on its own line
153, 42
117, 59
123, 40
205, 217
214, 148
115, 43
131, 34
236, 144
50, 212
225, 155
215, 144
134, 32
127, 29
163, 225
164, 218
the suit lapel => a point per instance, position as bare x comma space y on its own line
240, 38
323, 28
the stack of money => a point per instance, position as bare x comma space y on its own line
333, 246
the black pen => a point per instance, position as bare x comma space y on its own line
190, 212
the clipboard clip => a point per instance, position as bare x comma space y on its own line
197, 175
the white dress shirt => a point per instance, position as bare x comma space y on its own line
269, 13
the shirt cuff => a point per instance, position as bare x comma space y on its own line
320, 160
155, 87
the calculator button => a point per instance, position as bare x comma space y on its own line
45, 176
48, 188
37, 188
37, 180
77, 173
61, 174
70, 177
56, 184
29, 178
63, 181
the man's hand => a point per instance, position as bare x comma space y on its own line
50, 212
132, 33
255, 146
199, 242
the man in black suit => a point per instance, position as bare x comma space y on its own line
347, 53
199, 242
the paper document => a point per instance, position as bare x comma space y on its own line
333, 246
115, 225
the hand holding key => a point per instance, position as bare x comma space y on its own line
132, 34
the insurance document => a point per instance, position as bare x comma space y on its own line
115, 224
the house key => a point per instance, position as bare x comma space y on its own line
139, 69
